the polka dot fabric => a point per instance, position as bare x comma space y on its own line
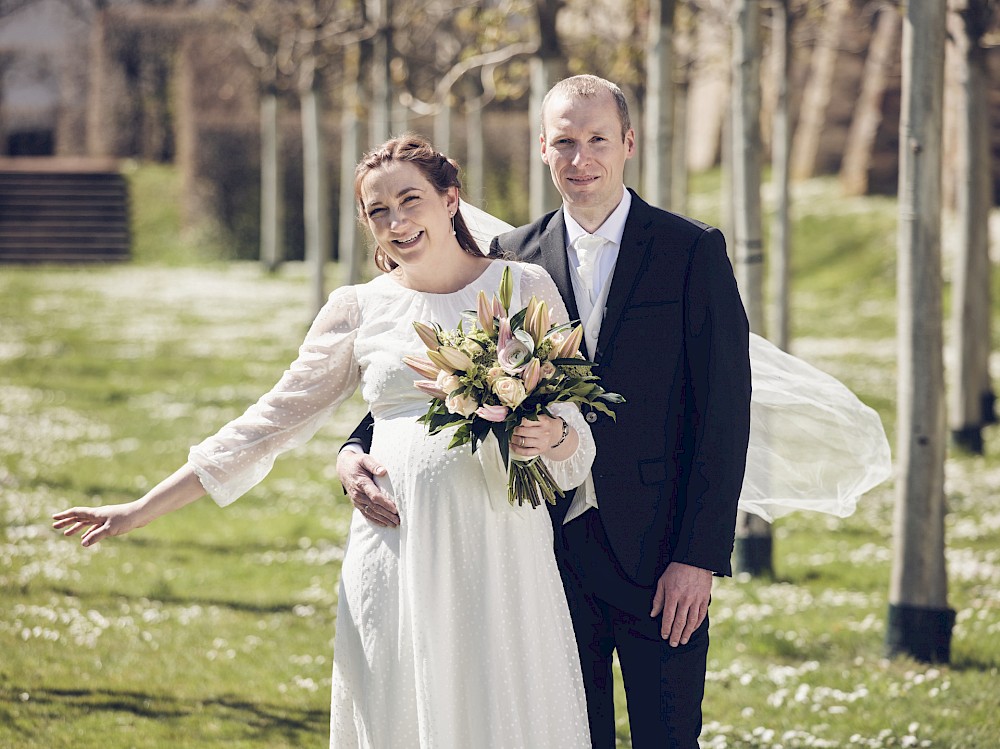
452, 629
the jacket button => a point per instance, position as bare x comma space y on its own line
591, 417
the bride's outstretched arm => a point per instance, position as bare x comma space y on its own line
242, 452
97, 523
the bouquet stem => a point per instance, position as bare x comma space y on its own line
531, 481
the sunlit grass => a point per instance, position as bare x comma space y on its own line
215, 627
160, 236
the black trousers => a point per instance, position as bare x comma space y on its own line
664, 686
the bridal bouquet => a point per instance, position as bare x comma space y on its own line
486, 377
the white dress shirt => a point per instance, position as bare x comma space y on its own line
591, 300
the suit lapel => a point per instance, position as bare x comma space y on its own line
631, 258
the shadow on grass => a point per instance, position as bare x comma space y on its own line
265, 719
178, 600
980, 662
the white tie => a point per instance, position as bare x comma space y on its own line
586, 246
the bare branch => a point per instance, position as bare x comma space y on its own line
485, 59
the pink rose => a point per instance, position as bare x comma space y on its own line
492, 413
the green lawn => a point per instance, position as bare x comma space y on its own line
214, 627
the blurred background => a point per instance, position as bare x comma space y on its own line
218, 90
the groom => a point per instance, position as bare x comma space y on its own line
639, 542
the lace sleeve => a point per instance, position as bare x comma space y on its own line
324, 374
571, 472
536, 281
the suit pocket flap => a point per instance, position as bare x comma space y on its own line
647, 311
652, 471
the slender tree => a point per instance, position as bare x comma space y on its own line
972, 399
919, 619
659, 111
818, 91
291, 43
271, 195
685, 25
880, 64
753, 534
349, 249
780, 265
259, 34
546, 69
380, 14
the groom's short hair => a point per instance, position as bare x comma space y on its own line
587, 86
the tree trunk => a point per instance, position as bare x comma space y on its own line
380, 11
99, 99
972, 398
882, 55
271, 194
819, 89
753, 534
728, 208
919, 620
442, 125
315, 195
350, 250
475, 159
780, 267
679, 179
545, 70
659, 120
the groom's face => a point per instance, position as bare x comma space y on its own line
582, 144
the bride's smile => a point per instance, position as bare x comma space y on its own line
408, 242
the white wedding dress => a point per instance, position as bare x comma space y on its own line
452, 628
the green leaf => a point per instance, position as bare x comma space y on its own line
481, 428
500, 432
574, 363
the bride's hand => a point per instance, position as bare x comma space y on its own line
543, 437
98, 522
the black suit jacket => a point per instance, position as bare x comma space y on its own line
675, 343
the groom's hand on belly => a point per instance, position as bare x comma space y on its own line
357, 471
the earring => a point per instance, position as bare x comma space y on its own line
453, 232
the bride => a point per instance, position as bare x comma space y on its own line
452, 626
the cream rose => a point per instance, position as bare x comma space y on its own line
448, 382
461, 404
510, 391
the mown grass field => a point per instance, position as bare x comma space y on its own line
214, 627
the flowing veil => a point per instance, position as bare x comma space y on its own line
813, 444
